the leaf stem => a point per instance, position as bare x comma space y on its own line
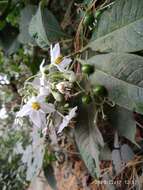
77, 52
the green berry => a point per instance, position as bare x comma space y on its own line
87, 69
100, 90
86, 99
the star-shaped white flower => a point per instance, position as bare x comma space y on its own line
67, 119
57, 59
36, 108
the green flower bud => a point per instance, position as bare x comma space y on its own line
58, 96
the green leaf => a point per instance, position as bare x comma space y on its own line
121, 155
127, 153
44, 27
122, 75
89, 139
25, 18
120, 28
122, 120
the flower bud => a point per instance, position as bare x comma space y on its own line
71, 76
64, 87
58, 97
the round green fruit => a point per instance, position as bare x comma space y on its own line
100, 90
87, 69
86, 99
88, 19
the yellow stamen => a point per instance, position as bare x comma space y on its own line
59, 59
36, 106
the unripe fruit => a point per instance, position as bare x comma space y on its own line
87, 69
86, 99
100, 90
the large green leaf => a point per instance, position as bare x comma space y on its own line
121, 155
89, 139
122, 120
122, 74
120, 28
25, 18
44, 27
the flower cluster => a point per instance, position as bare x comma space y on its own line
51, 87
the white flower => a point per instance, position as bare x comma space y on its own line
64, 87
57, 59
36, 108
67, 119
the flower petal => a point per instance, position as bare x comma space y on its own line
51, 53
65, 63
38, 118
72, 113
24, 111
40, 99
36, 83
63, 125
31, 100
54, 52
67, 119
47, 108
44, 91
